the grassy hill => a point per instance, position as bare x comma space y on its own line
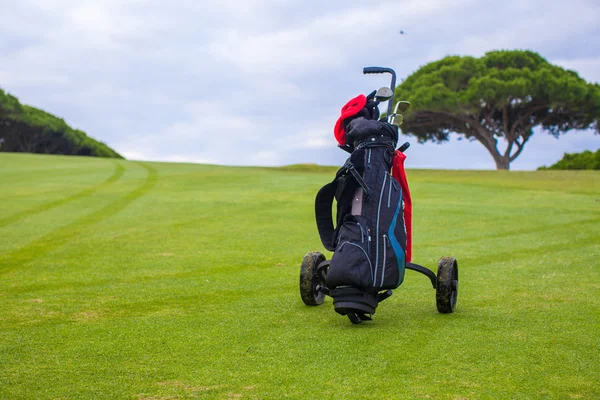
131, 280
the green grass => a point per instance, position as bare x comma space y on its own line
135, 280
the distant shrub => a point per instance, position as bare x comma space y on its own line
584, 160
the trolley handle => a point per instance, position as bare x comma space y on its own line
382, 70
377, 70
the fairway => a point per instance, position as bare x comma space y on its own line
139, 280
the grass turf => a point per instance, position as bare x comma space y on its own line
135, 280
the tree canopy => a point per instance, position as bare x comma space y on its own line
28, 129
583, 160
504, 94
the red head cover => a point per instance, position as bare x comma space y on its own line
351, 108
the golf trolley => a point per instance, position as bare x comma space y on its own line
358, 301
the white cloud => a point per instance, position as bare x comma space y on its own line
326, 41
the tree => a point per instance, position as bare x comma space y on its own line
28, 129
504, 94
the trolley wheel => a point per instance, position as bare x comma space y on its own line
446, 285
309, 279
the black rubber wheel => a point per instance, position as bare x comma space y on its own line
447, 285
309, 279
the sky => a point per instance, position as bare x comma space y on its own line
262, 82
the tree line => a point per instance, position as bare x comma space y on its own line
31, 130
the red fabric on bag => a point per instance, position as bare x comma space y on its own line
399, 173
351, 108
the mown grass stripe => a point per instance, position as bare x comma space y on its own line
116, 175
62, 235
475, 260
511, 233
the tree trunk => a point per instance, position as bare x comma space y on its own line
486, 138
502, 163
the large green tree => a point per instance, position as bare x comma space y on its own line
504, 94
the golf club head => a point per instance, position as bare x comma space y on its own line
384, 94
397, 119
401, 107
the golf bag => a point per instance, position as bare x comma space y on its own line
370, 238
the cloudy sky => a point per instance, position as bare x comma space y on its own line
261, 82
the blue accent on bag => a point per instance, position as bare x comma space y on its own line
400, 255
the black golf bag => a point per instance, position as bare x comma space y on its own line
369, 239
372, 237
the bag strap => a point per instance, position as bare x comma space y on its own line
358, 178
324, 202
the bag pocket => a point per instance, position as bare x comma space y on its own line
351, 264
392, 273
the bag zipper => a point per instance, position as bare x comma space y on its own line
390, 193
362, 233
384, 258
377, 230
